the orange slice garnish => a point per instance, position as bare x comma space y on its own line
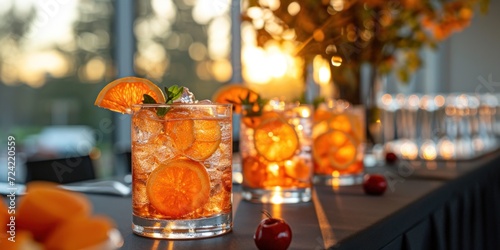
178, 187
197, 138
334, 149
120, 94
234, 93
275, 139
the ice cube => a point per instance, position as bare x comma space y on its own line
186, 97
143, 157
146, 125
206, 101
164, 149
140, 196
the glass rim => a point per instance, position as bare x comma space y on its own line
155, 105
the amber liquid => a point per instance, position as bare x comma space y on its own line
152, 147
337, 163
261, 173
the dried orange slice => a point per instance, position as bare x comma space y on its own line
24, 240
41, 210
95, 230
254, 172
321, 115
275, 139
341, 122
298, 170
178, 187
349, 123
120, 94
234, 93
194, 133
4, 215
335, 149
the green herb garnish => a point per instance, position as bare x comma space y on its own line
172, 93
253, 108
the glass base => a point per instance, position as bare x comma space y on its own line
277, 195
182, 229
343, 180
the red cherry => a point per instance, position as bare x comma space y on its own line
272, 234
374, 184
391, 158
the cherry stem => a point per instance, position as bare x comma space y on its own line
266, 213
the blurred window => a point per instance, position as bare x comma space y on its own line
184, 42
55, 57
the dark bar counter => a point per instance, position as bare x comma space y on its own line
428, 205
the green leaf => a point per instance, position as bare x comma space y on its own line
147, 99
173, 92
161, 112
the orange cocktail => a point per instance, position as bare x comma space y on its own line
181, 159
181, 169
275, 147
338, 143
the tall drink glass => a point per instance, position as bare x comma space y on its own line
338, 144
181, 169
275, 148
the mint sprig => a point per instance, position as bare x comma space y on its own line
147, 99
172, 93
254, 108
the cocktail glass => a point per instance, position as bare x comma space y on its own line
338, 143
275, 148
181, 169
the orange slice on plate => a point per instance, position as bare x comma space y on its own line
334, 149
23, 241
178, 187
234, 93
194, 133
45, 207
81, 233
120, 94
275, 139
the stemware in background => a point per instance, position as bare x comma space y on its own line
486, 120
389, 106
275, 148
181, 169
463, 142
339, 143
426, 139
400, 101
496, 116
408, 126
